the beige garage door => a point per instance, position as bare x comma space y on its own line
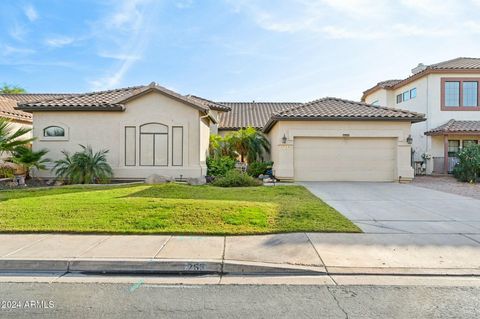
344, 159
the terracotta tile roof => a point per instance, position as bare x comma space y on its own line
454, 126
33, 97
458, 64
110, 100
7, 110
331, 108
210, 104
255, 114
388, 83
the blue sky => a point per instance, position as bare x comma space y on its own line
292, 50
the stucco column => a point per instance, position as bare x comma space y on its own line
404, 169
283, 167
445, 154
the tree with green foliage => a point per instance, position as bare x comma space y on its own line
468, 168
84, 167
250, 144
11, 89
28, 159
11, 138
221, 147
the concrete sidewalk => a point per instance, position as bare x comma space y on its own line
298, 253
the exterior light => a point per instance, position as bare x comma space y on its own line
284, 139
410, 139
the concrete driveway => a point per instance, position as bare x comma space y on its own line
392, 208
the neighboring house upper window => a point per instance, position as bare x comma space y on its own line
54, 131
452, 93
460, 94
374, 102
407, 95
153, 144
470, 93
413, 93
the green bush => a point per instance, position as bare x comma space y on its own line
219, 166
236, 178
468, 168
257, 168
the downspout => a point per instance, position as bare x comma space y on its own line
199, 140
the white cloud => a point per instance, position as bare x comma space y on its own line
359, 8
59, 42
10, 50
473, 26
432, 7
127, 31
17, 31
30, 12
184, 4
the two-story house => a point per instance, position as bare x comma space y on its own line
448, 94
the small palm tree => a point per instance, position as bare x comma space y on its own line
85, 167
10, 138
29, 159
250, 144
221, 146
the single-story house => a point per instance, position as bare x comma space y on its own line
152, 130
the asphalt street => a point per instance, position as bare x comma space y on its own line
140, 300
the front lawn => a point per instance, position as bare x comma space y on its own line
168, 208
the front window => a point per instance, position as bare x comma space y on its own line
452, 93
406, 96
470, 93
453, 148
54, 131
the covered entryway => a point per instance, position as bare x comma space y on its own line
345, 159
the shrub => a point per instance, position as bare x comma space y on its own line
236, 178
219, 166
258, 168
85, 167
28, 159
468, 168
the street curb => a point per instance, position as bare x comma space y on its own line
153, 266
230, 267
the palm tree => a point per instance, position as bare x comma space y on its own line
85, 167
221, 146
250, 144
11, 89
10, 138
29, 159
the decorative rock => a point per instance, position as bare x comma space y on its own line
58, 183
156, 179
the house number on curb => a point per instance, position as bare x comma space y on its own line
195, 267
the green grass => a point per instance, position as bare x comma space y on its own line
168, 208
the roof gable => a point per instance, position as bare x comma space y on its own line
457, 65
331, 108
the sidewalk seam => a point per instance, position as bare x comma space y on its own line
223, 256
26, 246
163, 246
92, 246
316, 251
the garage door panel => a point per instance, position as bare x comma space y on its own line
344, 159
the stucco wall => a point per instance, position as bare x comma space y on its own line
428, 101
106, 130
283, 154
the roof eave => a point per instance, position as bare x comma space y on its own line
31, 109
273, 120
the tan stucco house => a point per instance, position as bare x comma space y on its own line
448, 94
152, 130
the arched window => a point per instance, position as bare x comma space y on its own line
153, 144
54, 131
